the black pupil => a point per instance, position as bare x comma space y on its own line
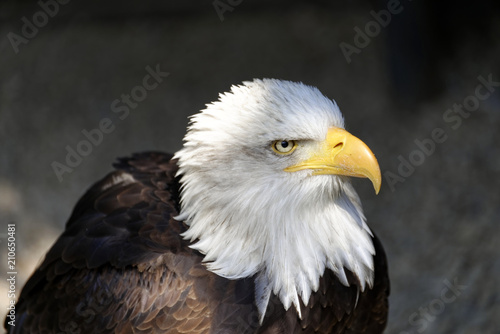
284, 144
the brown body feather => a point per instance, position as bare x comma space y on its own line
121, 266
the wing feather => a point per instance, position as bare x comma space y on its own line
121, 262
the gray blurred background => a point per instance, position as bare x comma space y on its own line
437, 216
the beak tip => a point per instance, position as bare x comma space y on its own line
377, 183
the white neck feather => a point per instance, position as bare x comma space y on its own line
287, 241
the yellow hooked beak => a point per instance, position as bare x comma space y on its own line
342, 154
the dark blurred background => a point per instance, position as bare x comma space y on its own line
398, 70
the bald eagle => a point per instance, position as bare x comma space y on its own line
252, 227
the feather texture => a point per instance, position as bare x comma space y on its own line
218, 239
247, 215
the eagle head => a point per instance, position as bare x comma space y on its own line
265, 190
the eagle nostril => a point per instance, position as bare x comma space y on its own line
339, 145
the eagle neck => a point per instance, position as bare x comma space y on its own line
286, 242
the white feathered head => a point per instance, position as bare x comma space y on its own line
265, 189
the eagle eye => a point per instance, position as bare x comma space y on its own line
284, 146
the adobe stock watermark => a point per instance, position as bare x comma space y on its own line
363, 38
453, 118
222, 6
11, 274
121, 108
429, 312
30, 27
